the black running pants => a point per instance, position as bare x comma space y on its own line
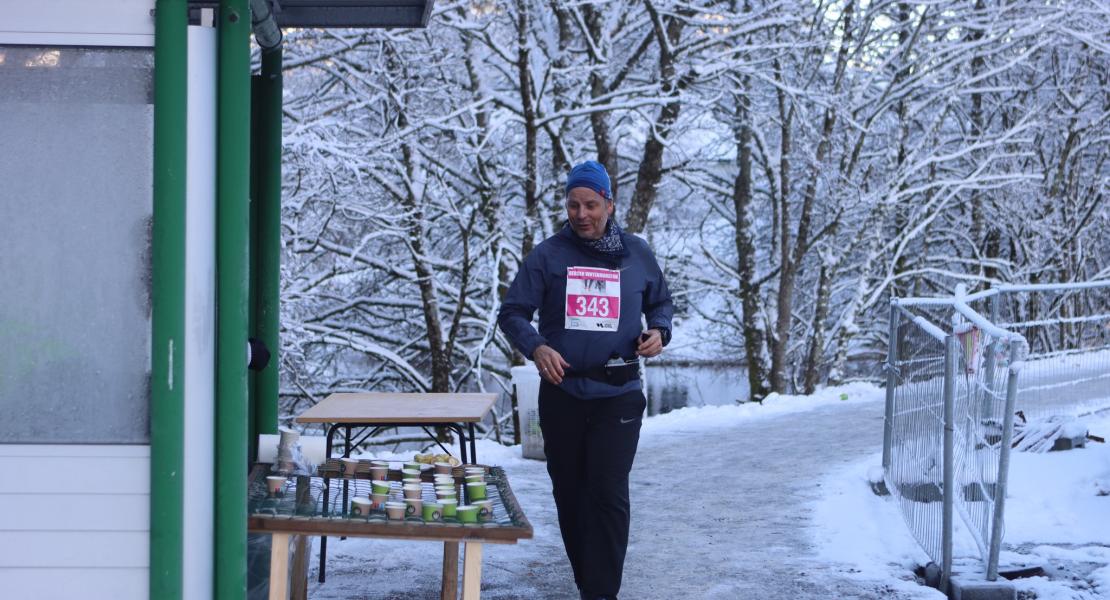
590, 446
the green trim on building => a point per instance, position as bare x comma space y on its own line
232, 256
167, 373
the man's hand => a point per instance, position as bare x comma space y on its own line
550, 363
651, 345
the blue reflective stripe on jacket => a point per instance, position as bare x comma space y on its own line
541, 284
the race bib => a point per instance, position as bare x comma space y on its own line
593, 299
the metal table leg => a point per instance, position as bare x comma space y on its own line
327, 494
346, 454
473, 449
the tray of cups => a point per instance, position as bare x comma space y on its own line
481, 499
361, 468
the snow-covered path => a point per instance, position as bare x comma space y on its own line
740, 526
721, 509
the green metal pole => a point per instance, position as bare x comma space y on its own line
167, 373
268, 249
232, 245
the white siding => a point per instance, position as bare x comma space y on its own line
75, 521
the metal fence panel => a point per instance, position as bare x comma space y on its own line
1056, 337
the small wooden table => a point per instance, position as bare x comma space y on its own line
371, 412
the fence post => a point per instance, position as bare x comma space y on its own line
950, 356
986, 393
1003, 464
891, 382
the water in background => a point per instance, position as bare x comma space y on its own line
670, 387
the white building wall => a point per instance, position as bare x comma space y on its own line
74, 521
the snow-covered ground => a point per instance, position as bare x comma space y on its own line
1057, 517
766, 501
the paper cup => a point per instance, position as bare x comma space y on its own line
379, 486
443, 468
395, 510
467, 513
413, 507
474, 478
476, 491
450, 508
348, 466
410, 473
288, 436
412, 464
274, 484
379, 471
377, 501
360, 507
443, 479
485, 510
412, 491
432, 512
446, 494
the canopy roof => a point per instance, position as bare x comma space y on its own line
345, 13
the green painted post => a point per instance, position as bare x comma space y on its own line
167, 373
268, 243
232, 213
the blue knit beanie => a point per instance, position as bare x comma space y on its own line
590, 174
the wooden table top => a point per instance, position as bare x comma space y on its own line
391, 407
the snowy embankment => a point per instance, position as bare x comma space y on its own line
802, 524
1057, 518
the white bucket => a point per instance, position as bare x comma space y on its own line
526, 385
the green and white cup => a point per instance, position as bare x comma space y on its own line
414, 507
412, 491
476, 491
467, 513
450, 508
379, 486
395, 510
412, 464
485, 510
474, 478
433, 512
360, 507
410, 473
